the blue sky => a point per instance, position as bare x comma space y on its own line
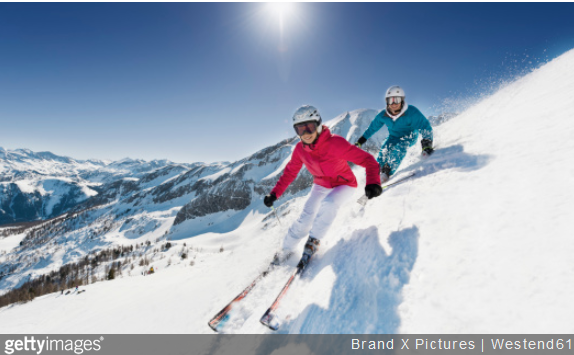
218, 81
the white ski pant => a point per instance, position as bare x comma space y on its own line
318, 214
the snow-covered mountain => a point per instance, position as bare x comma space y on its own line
38, 186
140, 201
477, 242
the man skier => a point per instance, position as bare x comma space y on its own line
404, 122
325, 156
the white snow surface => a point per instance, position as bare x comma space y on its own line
479, 241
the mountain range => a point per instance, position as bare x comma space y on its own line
478, 241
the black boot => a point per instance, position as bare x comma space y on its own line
385, 173
311, 248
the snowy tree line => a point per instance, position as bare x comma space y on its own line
68, 276
104, 265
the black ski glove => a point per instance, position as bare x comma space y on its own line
427, 147
360, 142
269, 199
373, 190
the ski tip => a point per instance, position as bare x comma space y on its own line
213, 327
272, 327
215, 324
270, 321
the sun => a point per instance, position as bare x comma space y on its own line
281, 13
281, 10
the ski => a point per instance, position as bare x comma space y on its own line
270, 318
218, 321
363, 200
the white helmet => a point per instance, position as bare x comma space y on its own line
395, 91
307, 113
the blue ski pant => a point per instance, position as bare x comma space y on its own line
394, 149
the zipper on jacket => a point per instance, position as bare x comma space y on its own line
339, 176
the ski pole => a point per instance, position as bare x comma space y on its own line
398, 181
275, 211
363, 200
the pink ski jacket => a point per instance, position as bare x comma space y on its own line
326, 160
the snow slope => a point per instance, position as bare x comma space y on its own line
478, 242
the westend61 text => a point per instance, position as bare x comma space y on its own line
526, 344
418, 344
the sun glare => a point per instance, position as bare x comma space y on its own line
280, 13
281, 9
281, 23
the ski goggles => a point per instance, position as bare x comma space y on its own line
394, 100
305, 127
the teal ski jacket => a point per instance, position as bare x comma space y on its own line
405, 125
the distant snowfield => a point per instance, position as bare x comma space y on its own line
479, 241
7, 244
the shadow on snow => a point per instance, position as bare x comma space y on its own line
367, 291
452, 157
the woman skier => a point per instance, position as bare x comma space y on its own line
325, 156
